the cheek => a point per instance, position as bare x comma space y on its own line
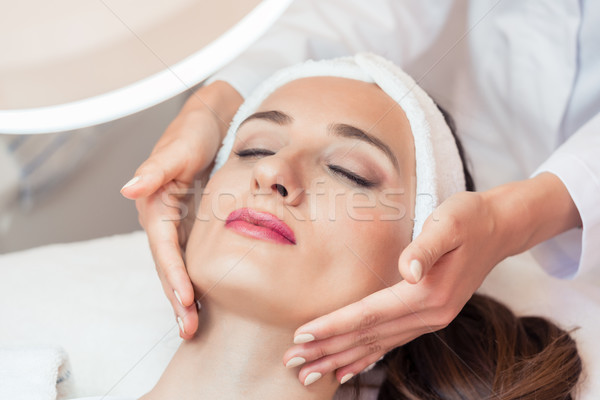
363, 248
374, 222
222, 194
376, 245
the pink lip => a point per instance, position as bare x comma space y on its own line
260, 225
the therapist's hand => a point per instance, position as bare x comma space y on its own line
461, 242
162, 185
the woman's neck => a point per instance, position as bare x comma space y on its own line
232, 357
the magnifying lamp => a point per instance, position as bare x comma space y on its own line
69, 64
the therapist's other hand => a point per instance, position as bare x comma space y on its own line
466, 236
162, 184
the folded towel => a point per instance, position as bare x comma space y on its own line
34, 373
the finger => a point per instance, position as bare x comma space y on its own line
164, 245
379, 307
160, 222
350, 367
323, 366
437, 238
343, 374
160, 168
186, 317
188, 322
175, 282
308, 352
355, 359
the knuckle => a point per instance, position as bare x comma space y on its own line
320, 352
333, 363
430, 254
369, 317
374, 347
366, 336
453, 223
445, 317
476, 200
328, 331
441, 323
440, 300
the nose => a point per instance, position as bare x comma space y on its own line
275, 175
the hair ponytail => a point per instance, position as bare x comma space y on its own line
485, 353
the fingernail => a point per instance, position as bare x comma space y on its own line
312, 378
294, 362
198, 305
132, 182
178, 298
303, 338
180, 322
416, 269
346, 378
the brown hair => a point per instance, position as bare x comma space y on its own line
485, 353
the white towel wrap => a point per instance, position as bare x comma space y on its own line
34, 372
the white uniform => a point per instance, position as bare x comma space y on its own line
520, 78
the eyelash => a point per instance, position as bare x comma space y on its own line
336, 169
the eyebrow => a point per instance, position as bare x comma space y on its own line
352, 132
274, 116
343, 130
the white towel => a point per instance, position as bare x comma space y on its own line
34, 373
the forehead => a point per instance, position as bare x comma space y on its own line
339, 94
316, 102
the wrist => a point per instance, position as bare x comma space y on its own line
531, 211
220, 100
556, 210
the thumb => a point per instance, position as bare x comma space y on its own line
159, 169
423, 252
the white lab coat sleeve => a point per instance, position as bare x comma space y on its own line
577, 163
317, 29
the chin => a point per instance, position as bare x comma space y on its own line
248, 288
276, 284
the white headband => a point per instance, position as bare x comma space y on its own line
439, 169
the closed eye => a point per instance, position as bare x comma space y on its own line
351, 176
336, 169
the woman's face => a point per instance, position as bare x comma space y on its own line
331, 158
